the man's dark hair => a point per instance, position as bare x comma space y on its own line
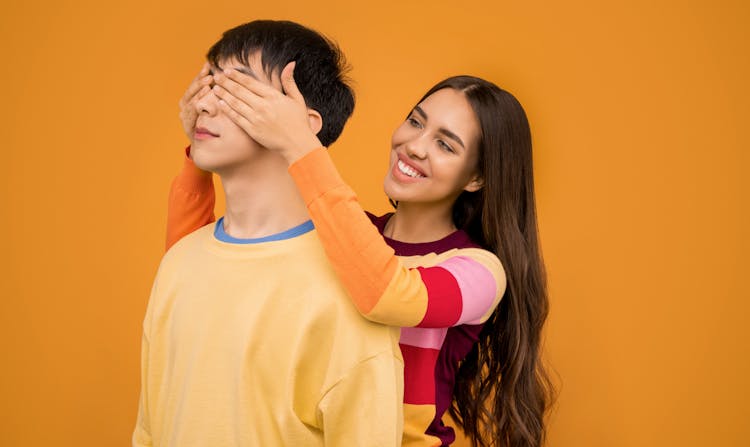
319, 71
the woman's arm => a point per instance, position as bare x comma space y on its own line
464, 288
191, 201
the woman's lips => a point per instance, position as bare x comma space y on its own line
403, 177
405, 161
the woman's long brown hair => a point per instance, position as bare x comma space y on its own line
502, 390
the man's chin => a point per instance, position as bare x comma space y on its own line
204, 160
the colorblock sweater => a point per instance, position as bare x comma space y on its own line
440, 293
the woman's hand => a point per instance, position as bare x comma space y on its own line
280, 122
195, 91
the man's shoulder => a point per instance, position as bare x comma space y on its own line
190, 239
188, 244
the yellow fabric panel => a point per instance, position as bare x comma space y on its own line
416, 419
404, 302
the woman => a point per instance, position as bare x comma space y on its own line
457, 265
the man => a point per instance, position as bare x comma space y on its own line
249, 339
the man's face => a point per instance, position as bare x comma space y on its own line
220, 145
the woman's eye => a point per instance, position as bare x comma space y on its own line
413, 122
445, 146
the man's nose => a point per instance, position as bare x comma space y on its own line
208, 104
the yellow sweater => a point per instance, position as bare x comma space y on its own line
258, 345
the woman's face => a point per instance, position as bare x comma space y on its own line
434, 152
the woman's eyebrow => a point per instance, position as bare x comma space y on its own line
442, 130
452, 136
420, 112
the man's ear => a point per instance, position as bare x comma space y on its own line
315, 120
475, 184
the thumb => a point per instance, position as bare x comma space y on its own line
288, 84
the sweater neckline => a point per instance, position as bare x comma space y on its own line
458, 238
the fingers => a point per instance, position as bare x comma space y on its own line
187, 105
205, 69
193, 95
232, 79
237, 110
288, 84
198, 88
239, 119
235, 116
238, 97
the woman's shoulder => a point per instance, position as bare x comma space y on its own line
471, 261
379, 221
475, 253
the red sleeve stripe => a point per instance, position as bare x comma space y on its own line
443, 297
419, 374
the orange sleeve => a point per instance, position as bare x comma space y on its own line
364, 262
191, 201
464, 288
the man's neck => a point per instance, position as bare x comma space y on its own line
261, 199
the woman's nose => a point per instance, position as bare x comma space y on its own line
415, 148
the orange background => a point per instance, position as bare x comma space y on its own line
639, 111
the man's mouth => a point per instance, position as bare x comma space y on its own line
202, 132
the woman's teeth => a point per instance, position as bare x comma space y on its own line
408, 170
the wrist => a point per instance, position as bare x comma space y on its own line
301, 147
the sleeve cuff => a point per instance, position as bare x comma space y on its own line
315, 174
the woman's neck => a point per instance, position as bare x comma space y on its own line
413, 223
